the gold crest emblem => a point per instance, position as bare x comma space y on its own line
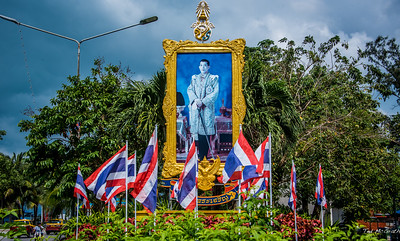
207, 173
202, 27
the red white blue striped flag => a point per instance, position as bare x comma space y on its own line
293, 196
116, 180
80, 189
185, 188
240, 156
320, 191
97, 182
145, 187
262, 172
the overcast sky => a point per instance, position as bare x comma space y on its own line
33, 65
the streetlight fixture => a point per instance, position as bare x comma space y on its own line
142, 22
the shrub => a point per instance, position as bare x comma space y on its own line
351, 232
306, 228
253, 223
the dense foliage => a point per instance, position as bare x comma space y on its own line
383, 68
340, 126
18, 188
10, 231
85, 124
231, 226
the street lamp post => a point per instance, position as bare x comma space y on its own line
142, 22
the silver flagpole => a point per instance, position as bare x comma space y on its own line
155, 211
331, 213
126, 187
77, 215
77, 209
240, 199
295, 223
294, 205
322, 208
196, 214
322, 221
197, 190
270, 173
135, 198
108, 215
240, 181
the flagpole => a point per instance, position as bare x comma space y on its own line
293, 179
295, 224
77, 208
331, 213
108, 215
77, 215
322, 221
155, 211
239, 196
240, 181
322, 208
126, 186
270, 173
197, 192
197, 189
135, 198
197, 203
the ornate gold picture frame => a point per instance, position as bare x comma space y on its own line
174, 52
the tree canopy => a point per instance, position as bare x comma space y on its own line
340, 125
383, 67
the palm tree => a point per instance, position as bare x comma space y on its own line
139, 109
20, 190
270, 106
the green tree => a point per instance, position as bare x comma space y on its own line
138, 109
341, 128
18, 188
383, 68
269, 103
74, 129
87, 122
5, 181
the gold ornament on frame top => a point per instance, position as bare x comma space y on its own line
202, 27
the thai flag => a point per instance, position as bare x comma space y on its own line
185, 188
255, 186
256, 178
145, 187
260, 184
320, 191
131, 171
293, 197
240, 155
80, 189
113, 204
262, 155
97, 182
116, 180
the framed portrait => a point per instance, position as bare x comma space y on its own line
204, 100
